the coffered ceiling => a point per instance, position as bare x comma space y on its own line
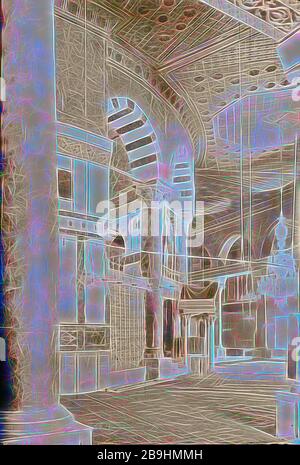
204, 53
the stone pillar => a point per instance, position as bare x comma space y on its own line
211, 336
153, 299
33, 415
154, 324
186, 333
221, 350
261, 350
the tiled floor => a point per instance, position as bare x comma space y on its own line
183, 411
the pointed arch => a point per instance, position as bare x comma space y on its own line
227, 246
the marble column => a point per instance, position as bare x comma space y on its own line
153, 297
33, 414
211, 345
220, 350
154, 324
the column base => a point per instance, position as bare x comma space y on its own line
221, 353
287, 408
152, 368
260, 353
52, 426
198, 364
152, 357
153, 352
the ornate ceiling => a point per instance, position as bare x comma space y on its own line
165, 31
199, 56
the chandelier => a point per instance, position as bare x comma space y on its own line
281, 280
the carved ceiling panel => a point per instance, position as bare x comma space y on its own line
80, 77
162, 30
225, 76
282, 14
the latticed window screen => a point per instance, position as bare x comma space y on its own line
127, 316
